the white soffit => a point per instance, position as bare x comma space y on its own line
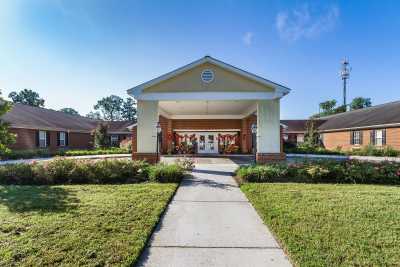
188, 109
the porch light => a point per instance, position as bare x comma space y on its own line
254, 132
158, 127
253, 128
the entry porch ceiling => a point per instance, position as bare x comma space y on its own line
207, 109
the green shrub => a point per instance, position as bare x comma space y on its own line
326, 171
368, 150
164, 173
70, 171
44, 153
19, 174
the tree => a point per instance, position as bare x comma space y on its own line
27, 97
328, 106
100, 134
94, 115
6, 138
69, 111
360, 102
110, 107
129, 109
311, 137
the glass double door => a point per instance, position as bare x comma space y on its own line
207, 143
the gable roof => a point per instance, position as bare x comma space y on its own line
29, 117
298, 126
381, 115
137, 90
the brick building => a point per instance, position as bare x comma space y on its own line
45, 128
378, 125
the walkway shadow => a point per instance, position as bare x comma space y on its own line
222, 173
192, 181
42, 199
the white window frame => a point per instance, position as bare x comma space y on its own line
114, 142
63, 138
42, 139
357, 138
379, 137
300, 138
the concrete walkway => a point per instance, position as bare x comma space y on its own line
211, 223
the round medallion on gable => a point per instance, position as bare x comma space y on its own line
207, 76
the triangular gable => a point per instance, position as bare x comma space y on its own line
226, 78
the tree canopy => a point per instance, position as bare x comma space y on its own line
94, 115
360, 102
329, 107
6, 138
69, 111
129, 109
114, 108
27, 97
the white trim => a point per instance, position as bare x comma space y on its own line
206, 130
163, 113
389, 125
211, 116
137, 90
209, 96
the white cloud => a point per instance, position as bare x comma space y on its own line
302, 23
248, 38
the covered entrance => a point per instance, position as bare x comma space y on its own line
208, 107
205, 142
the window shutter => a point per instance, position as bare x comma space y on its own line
351, 138
58, 138
66, 138
48, 138
372, 135
361, 137
383, 136
37, 139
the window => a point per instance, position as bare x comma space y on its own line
356, 138
42, 138
379, 137
114, 140
300, 138
62, 139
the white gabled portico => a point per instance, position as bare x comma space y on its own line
208, 96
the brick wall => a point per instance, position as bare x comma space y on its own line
393, 137
79, 140
26, 139
341, 139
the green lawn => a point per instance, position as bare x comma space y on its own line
74, 225
332, 225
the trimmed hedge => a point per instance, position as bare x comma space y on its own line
71, 171
326, 171
368, 150
45, 153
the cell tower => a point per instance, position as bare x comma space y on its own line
345, 74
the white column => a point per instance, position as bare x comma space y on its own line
268, 126
147, 118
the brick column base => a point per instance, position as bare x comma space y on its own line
270, 157
149, 157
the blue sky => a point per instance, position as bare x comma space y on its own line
75, 52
